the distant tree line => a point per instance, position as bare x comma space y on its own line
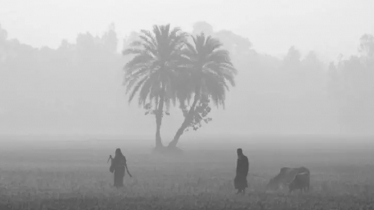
272, 95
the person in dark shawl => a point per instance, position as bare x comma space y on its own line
242, 167
118, 166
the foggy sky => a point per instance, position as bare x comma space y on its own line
330, 27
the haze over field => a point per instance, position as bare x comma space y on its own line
61, 66
146, 83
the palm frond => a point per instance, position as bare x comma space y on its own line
131, 80
140, 60
210, 68
147, 88
135, 90
153, 70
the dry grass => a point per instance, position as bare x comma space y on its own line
80, 179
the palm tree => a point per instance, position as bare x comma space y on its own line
207, 70
151, 71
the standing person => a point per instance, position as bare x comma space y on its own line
242, 166
118, 166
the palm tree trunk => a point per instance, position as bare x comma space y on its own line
186, 121
158, 132
179, 133
159, 115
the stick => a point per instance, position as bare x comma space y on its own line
128, 170
110, 158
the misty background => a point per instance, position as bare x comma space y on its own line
304, 68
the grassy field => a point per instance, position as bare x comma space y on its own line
75, 175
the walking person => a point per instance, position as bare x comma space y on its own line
118, 166
242, 167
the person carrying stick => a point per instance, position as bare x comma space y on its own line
118, 166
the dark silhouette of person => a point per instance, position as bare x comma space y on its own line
118, 166
242, 167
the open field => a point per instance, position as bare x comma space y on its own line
75, 175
